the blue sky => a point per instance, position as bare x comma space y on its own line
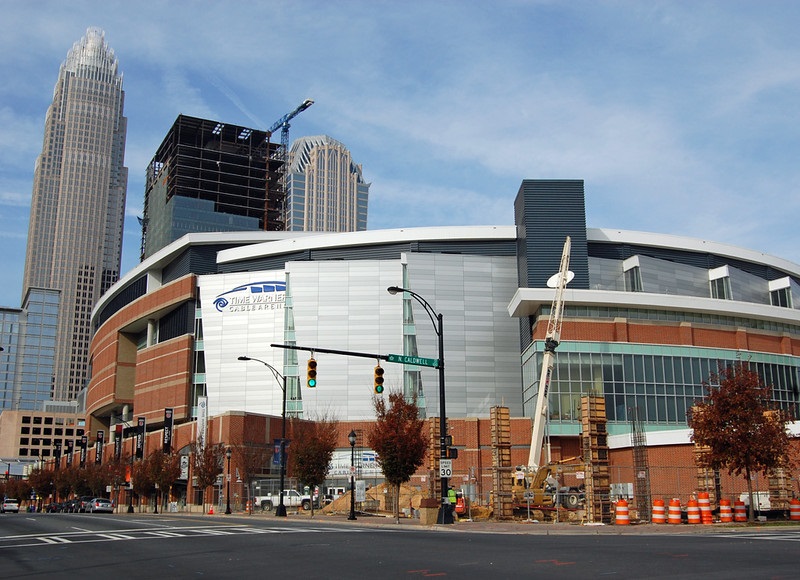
681, 117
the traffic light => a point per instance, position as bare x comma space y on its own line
311, 373
378, 380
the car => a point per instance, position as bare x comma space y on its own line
100, 505
71, 506
10, 505
83, 503
55, 507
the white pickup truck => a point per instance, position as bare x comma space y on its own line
291, 498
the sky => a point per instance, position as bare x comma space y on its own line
681, 117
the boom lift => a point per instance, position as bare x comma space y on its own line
559, 282
538, 485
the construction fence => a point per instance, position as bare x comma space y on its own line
640, 487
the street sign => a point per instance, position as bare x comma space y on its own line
414, 360
445, 468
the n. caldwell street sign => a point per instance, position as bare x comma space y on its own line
414, 360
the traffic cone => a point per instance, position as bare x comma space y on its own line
621, 512
211, 511
794, 510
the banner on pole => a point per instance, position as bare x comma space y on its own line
168, 425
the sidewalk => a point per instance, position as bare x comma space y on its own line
520, 526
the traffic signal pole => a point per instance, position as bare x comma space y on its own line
332, 351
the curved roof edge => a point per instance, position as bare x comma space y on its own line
367, 238
526, 301
168, 253
690, 245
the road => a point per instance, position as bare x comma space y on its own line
123, 546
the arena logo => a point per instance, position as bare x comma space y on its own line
269, 295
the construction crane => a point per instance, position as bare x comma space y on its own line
282, 155
558, 281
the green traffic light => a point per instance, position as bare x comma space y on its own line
312, 383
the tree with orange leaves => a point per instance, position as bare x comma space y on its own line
742, 428
398, 437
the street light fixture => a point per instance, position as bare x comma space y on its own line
352, 438
445, 515
280, 511
228, 492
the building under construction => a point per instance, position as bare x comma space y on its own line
209, 176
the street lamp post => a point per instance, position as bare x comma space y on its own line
133, 443
445, 515
280, 511
228, 491
352, 438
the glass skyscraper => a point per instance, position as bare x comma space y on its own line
327, 191
28, 336
78, 201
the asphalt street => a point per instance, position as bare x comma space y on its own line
241, 546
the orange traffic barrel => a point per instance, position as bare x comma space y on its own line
659, 515
704, 504
693, 511
674, 511
739, 511
622, 518
794, 510
725, 513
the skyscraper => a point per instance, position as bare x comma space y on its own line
327, 191
78, 201
207, 176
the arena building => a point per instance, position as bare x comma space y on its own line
648, 318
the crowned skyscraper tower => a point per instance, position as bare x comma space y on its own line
327, 191
78, 202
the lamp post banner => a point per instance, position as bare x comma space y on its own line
84, 441
57, 453
70, 448
168, 425
117, 442
202, 421
276, 452
98, 453
140, 429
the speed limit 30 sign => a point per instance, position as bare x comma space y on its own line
446, 468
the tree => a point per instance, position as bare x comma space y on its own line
207, 466
398, 437
736, 420
96, 477
143, 483
41, 480
252, 456
116, 471
313, 444
164, 468
66, 481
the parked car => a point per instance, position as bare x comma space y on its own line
53, 508
10, 505
71, 505
100, 505
83, 503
